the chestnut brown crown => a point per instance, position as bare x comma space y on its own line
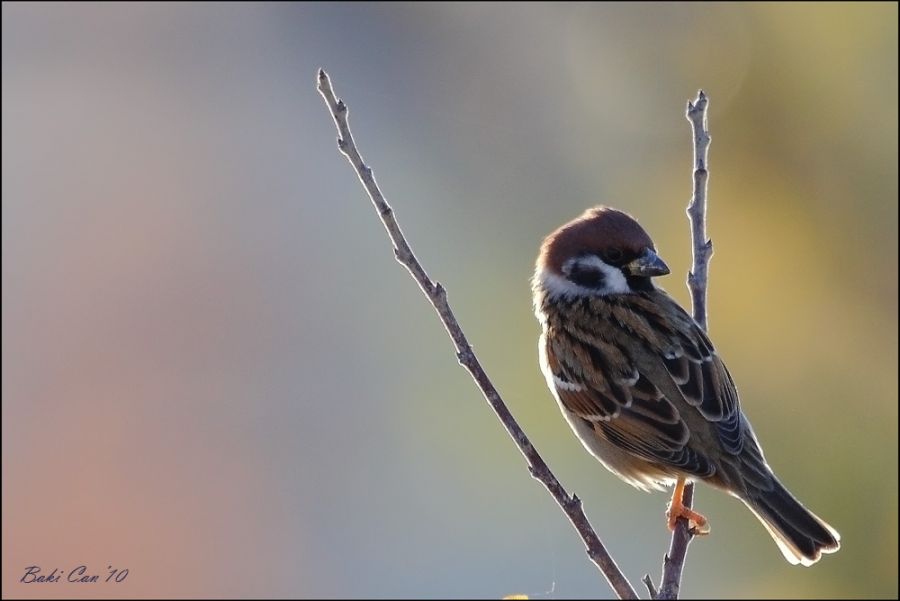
611, 234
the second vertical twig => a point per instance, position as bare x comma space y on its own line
673, 562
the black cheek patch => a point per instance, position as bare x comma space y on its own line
589, 278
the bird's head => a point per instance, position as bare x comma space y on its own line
602, 252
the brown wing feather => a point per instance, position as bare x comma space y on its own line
701, 376
605, 380
630, 411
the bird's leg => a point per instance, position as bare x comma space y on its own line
697, 524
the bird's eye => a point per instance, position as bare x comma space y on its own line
612, 255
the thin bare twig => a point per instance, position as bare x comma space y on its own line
673, 562
570, 504
703, 247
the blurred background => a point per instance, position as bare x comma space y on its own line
216, 377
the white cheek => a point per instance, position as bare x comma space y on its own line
557, 286
614, 281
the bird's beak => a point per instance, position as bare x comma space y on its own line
648, 264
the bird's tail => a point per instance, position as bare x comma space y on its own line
800, 534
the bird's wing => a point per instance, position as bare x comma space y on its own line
691, 361
639, 365
630, 412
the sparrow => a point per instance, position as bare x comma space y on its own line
642, 385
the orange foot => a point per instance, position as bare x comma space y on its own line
697, 524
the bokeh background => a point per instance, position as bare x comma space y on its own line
216, 377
